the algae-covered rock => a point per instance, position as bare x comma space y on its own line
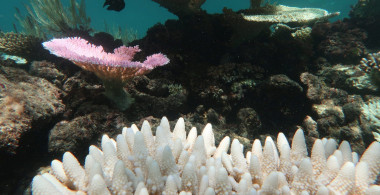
27, 104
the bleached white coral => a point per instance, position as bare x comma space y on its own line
130, 165
371, 111
286, 14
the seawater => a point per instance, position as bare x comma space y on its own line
140, 15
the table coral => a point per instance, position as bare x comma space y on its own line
114, 69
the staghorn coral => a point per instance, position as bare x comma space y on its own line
171, 162
114, 69
26, 46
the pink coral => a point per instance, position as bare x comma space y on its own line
113, 68
108, 66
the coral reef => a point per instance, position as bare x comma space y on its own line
249, 122
26, 100
172, 162
349, 78
156, 96
30, 106
48, 71
334, 111
248, 78
88, 128
282, 98
340, 42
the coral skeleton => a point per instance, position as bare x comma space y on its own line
114, 69
170, 162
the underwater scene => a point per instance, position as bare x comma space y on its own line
190, 97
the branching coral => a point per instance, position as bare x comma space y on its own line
371, 62
370, 65
171, 162
48, 17
21, 45
113, 68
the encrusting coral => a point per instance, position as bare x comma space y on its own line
114, 69
172, 163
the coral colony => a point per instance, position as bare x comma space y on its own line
171, 162
249, 72
114, 69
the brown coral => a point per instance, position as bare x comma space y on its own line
18, 44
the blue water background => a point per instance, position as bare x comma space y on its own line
142, 14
